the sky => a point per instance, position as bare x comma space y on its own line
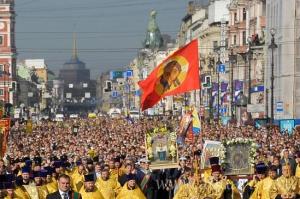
109, 32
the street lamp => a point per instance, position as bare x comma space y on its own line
218, 76
249, 69
232, 59
240, 103
210, 66
272, 46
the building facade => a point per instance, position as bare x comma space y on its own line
79, 90
256, 31
39, 72
7, 52
284, 17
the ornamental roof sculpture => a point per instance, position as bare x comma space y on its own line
154, 38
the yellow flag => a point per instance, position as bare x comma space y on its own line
29, 126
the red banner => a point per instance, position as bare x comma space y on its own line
177, 74
4, 133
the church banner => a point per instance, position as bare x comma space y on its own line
4, 133
161, 148
240, 156
177, 74
211, 149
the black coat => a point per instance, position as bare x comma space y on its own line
123, 179
56, 195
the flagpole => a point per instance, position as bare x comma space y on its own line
185, 102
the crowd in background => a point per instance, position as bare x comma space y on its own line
118, 146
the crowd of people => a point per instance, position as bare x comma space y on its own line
106, 158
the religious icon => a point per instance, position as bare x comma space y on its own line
171, 75
161, 148
238, 161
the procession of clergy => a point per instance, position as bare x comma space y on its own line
58, 182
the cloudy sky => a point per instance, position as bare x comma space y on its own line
109, 32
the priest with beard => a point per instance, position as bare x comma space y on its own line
287, 186
250, 187
90, 190
109, 187
41, 188
262, 190
26, 188
130, 190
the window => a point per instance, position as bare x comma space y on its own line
108, 87
70, 85
244, 38
235, 17
30, 94
87, 95
215, 45
244, 14
85, 85
1, 92
1, 39
68, 95
297, 10
234, 39
1, 67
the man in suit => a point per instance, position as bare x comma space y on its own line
286, 159
64, 189
146, 180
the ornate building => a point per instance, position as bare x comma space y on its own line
154, 38
238, 48
8, 52
74, 70
256, 24
79, 90
284, 17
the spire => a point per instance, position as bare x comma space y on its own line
74, 50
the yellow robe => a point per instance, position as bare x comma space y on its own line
15, 197
206, 174
52, 186
20, 192
285, 185
77, 180
298, 171
125, 193
109, 188
32, 190
91, 195
114, 174
201, 191
220, 187
42, 191
262, 189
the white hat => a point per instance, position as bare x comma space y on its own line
182, 159
144, 160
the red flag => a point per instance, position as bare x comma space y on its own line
4, 133
178, 73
